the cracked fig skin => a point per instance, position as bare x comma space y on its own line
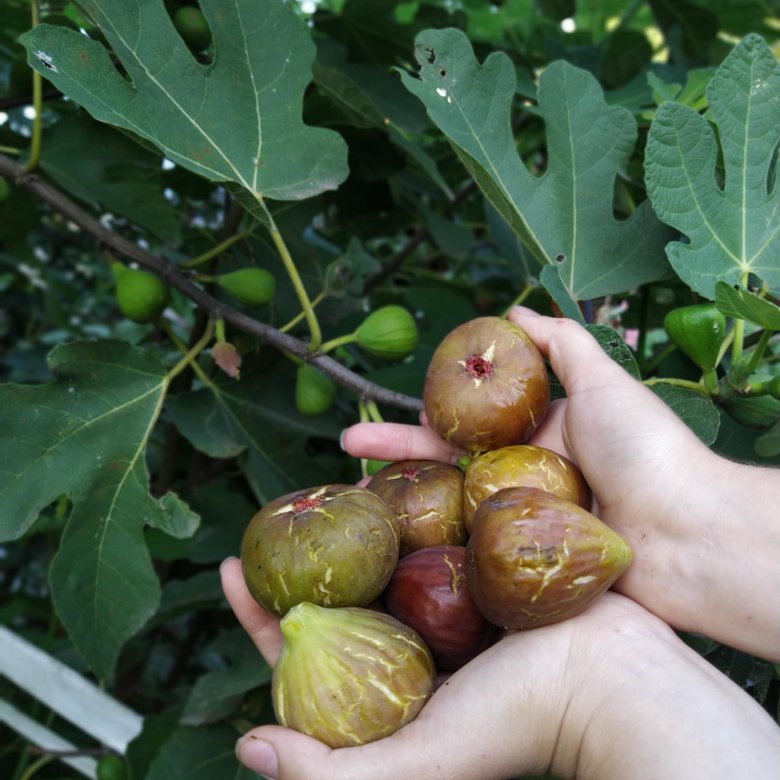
534, 558
521, 465
334, 545
427, 498
349, 676
486, 386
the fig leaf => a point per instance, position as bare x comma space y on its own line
84, 435
237, 119
565, 216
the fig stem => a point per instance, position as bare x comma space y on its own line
521, 297
684, 383
373, 412
328, 346
37, 87
215, 251
739, 329
221, 338
182, 347
189, 357
298, 317
315, 334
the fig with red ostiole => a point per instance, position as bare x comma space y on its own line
486, 386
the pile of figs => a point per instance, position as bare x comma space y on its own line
381, 587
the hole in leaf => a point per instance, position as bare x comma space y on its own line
430, 55
443, 72
560, 258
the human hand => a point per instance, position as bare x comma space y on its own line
611, 693
653, 481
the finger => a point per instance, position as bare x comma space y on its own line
550, 433
395, 441
574, 354
261, 625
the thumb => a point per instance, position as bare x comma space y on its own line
575, 356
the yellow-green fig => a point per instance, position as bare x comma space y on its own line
253, 286
349, 676
314, 391
141, 296
333, 545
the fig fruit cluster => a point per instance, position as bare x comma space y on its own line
381, 587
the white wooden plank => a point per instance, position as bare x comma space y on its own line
46, 739
68, 693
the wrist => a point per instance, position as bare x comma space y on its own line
648, 706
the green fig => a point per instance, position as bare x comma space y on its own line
314, 391
253, 286
334, 545
698, 331
349, 676
534, 558
389, 332
141, 296
191, 24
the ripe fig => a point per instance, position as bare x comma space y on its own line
534, 558
334, 545
521, 465
349, 676
428, 593
486, 386
253, 286
427, 498
141, 296
314, 391
389, 332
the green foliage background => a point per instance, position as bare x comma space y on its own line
610, 161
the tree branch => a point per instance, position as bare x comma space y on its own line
215, 308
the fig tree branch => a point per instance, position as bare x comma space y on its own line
215, 308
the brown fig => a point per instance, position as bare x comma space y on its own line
335, 545
486, 386
534, 558
349, 676
427, 499
428, 593
521, 465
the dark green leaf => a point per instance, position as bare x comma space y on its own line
739, 302
568, 212
612, 343
695, 409
236, 119
768, 444
84, 435
733, 230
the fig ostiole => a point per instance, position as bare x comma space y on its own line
534, 558
333, 545
349, 676
427, 498
428, 593
486, 386
521, 465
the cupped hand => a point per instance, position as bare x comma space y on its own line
651, 477
591, 697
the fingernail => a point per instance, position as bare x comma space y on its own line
341, 440
227, 560
259, 756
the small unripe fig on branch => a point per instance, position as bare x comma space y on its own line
486, 386
389, 332
349, 676
252, 286
141, 296
314, 391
